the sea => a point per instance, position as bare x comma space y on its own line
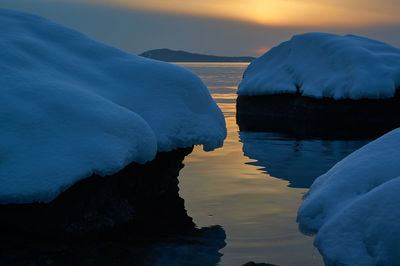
253, 186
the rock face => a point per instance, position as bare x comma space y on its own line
142, 198
307, 117
134, 217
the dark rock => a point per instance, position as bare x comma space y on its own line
326, 118
135, 199
252, 263
134, 217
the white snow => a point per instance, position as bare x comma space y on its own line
326, 65
71, 107
355, 207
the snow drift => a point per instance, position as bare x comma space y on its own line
325, 65
71, 107
354, 207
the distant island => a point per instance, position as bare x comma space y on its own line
168, 55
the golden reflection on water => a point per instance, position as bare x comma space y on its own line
224, 96
258, 212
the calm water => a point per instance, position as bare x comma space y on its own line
253, 186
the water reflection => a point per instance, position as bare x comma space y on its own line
297, 161
236, 190
222, 187
200, 247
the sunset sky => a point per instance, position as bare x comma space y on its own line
223, 27
279, 12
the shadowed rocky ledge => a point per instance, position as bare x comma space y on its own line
133, 217
326, 118
139, 196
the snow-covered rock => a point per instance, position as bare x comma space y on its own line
325, 65
71, 107
322, 85
355, 207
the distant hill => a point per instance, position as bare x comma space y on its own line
182, 56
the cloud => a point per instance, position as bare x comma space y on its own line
139, 30
260, 50
277, 12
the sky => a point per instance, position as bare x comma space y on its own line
220, 27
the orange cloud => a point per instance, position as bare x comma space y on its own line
260, 50
279, 12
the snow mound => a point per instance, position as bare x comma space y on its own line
325, 65
355, 207
71, 107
